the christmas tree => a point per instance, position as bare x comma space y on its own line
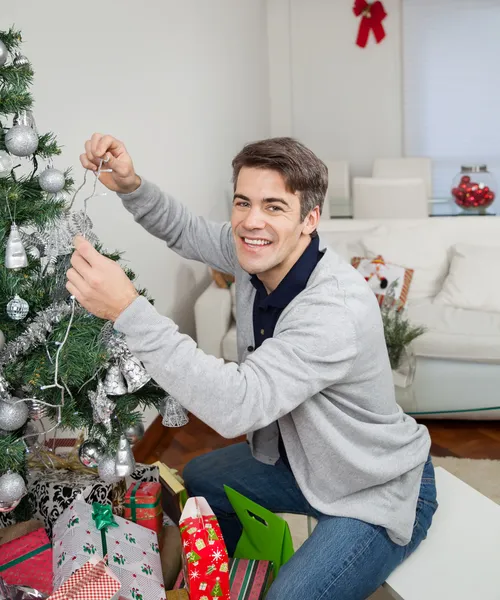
60, 367
217, 590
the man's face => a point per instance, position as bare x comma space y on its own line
269, 233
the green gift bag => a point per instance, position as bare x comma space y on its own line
265, 535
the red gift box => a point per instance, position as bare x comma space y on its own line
206, 564
27, 561
142, 505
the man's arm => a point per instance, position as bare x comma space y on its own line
190, 236
236, 399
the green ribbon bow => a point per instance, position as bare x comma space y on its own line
103, 518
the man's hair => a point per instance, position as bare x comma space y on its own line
302, 171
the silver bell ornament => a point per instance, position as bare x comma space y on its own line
12, 489
25, 117
4, 387
125, 463
36, 410
52, 180
32, 434
2, 340
102, 406
174, 415
134, 433
6, 163
4, 54
17, 308
15, 253
13, 414
114, 383
107, 469
21, 140
20, 60
135, 374
90, 453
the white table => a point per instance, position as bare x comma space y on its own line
460, 559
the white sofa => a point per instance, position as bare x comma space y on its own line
458, 358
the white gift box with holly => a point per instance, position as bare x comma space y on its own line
84, 531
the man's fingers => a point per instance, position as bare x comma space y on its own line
85, 248
86, 163
81, 265
77, 280
107, 143
73, 291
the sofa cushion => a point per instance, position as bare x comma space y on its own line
474, 279
456, 333
419, 248
229, 345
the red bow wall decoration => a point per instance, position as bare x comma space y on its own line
372, 14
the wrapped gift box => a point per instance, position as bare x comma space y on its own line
250, 579
27, 560
142, 505
133, 552
93, 581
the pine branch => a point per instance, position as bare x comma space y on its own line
47, 146
12, 453
12, 76
14, 100
12, 39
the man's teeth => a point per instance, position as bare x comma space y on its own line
256, 242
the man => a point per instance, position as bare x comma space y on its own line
313, 389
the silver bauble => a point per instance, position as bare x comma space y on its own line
20, 60
114, 384
36, 410
52, 180
125, 463
2, 340
17, 308
12, 488
15, 253
6, 163
174, 415
25, 117
134, 433
21, 140
4, 54
135, 374
13, 414
107, 470
90, 453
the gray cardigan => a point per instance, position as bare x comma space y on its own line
325, 375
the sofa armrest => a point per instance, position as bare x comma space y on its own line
212, 316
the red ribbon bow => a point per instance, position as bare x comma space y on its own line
372, 13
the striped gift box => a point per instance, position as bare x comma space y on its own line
249, 579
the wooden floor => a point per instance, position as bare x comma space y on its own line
175, 447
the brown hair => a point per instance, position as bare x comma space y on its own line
301, 169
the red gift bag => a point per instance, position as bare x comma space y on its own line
205, 559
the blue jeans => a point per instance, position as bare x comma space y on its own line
344, 559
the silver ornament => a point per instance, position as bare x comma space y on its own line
20, 60
102, 406
52, 180
6, 163
13, 414
4, 387
125, 463
12, 488
134, 433
31, 432
174, 415
36, 410
25, 117
90, 453
15, 254
4, 54
107, 470
114, 384
2, 339
135, 374
17, 308
21, 140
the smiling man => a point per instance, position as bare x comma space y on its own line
313, 388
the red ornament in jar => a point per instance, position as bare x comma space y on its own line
473, 188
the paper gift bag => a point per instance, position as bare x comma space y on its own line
27, 560
265, 535
206, 564
93, 581
85, 531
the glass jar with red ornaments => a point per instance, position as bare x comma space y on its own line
474, 188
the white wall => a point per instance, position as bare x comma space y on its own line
184, 84
341, 100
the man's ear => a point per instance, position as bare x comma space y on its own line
311, 221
